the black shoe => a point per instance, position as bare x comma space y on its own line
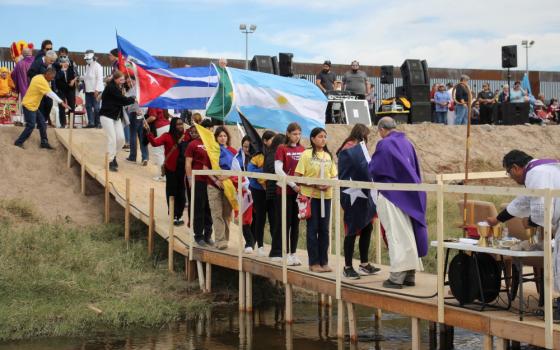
46, 146
209, 241
391, 284
368, 269
350, 273
131, 160
113, 167
20, 145
201, 243
409, 283
178, 222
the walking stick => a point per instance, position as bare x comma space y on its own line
467, 149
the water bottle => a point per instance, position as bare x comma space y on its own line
505, 234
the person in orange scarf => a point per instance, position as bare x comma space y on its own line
8, 97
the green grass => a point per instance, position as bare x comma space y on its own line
51, 273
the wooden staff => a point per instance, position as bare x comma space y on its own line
467, 147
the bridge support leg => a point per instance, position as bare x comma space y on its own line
432, 335
248, 292
190, 269
352, 323
329, 301
487, 342
289, 315
208, 278
83, 176
200, 271
241, 291
446, 334
501, 344
415, 329
340, 319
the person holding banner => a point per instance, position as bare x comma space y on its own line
318, 162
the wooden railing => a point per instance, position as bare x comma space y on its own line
440, 189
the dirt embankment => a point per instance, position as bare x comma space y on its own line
41, 177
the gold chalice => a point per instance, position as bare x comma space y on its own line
530, 234
497, 232
483, 232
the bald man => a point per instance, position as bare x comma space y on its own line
402, 213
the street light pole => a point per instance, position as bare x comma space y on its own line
527, 45
247, 29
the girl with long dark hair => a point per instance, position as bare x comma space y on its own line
318, 162
285, 161
353, 165
174, 142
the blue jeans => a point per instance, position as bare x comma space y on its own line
441, 117
92, 109
318, 233
136, 134
33, 118
461, 114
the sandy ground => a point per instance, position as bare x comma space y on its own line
41, 177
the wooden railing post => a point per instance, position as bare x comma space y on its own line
242, 276
127, 213
69, 158
440, 256
548, 275
151, 224
83, 170
171, 242
336, 201
107, 192
191, 217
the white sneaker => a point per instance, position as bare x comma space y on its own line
156, 178
248, 250
292, 260
276, 259
261, 252
296, 260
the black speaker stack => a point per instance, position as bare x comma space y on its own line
509, 56
387, 75
281, 65
416, 88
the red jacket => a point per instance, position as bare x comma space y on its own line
171, 152
160, 117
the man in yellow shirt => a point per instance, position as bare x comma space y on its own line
38, 88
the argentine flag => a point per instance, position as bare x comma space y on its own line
272, 102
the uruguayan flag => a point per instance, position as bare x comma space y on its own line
273, 102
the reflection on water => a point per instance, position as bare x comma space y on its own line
224, 328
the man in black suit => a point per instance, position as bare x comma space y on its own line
43, 60
65, 82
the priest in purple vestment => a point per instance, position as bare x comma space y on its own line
402, 213
19, 74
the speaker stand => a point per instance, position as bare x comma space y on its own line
509, 85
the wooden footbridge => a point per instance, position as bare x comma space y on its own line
133, 188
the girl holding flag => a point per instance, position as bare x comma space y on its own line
317, 162
220, 208
285, 161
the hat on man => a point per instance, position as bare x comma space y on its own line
89, 54
114, 52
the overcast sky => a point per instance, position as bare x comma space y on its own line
466, 34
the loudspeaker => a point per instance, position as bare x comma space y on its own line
509, 56
420, 112
426, 72
514, 113
387, 75
275, 68
286, 68
417, 93
262, 64
412, 73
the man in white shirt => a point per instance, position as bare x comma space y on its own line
93, 86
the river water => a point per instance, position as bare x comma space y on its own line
224, 328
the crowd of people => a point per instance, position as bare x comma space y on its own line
449, 103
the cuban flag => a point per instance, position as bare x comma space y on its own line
359, 207
273, 101
159, 86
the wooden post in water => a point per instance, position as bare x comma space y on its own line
487, 342
171, 242
415, 330
201, 280
352, 329
248, 292
241, 291
107, 188
289, 306
151, 223
127, 213
208, 278
340, 319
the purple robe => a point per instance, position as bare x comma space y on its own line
19, 75
395, 161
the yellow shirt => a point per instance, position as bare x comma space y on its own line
38, 88
310, 166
